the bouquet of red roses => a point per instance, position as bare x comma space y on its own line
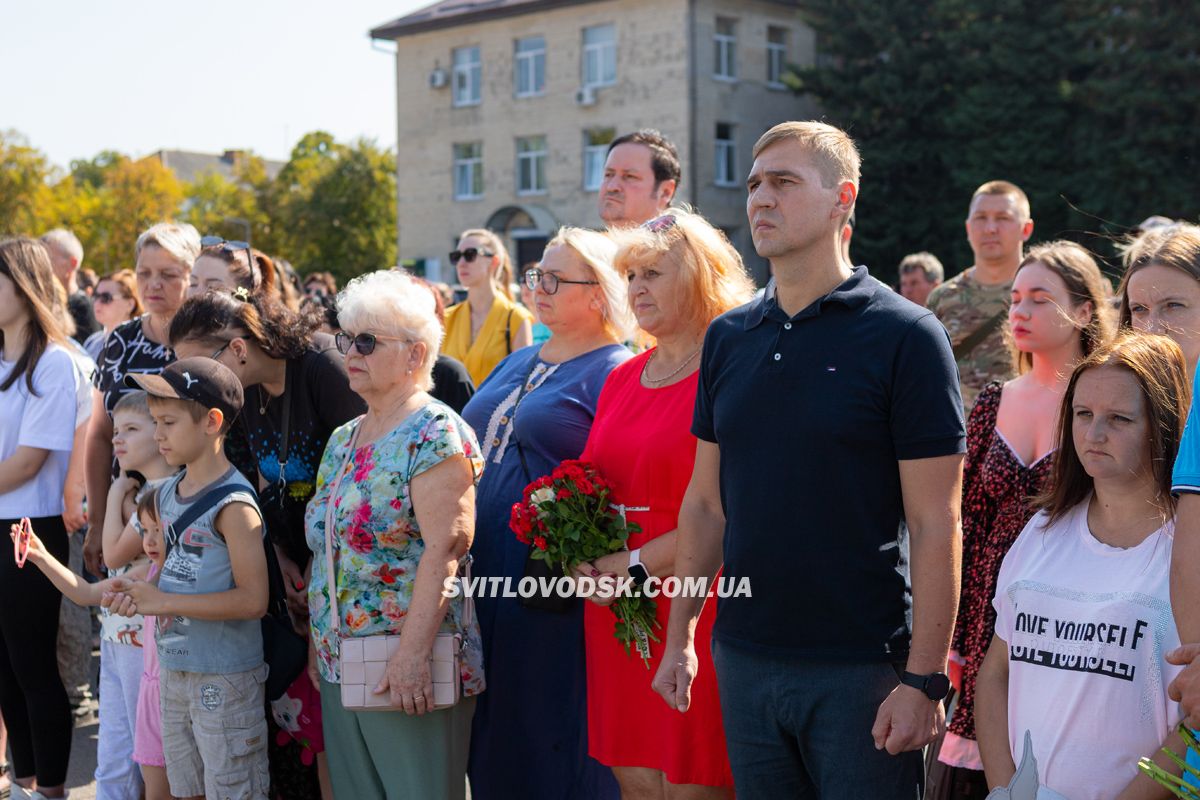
567, 518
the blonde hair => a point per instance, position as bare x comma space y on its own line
836, 156
128, 283
714, 278
502, 277
1004, 188
391, 302
1175, 246
597, 252
180, 240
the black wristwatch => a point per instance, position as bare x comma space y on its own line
935, 686
637, 570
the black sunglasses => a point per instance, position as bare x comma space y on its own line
549, 281
104, 298
468, 255
228, 246
364, 343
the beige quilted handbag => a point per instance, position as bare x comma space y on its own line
363, 659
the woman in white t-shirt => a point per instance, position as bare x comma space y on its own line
1083, 611
38, 388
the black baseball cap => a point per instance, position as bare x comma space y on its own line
208, 382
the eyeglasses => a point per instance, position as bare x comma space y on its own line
469, 255
364, 343
103, 298
549, 281
217, 353
660, 224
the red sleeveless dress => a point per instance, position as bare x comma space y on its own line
641, 442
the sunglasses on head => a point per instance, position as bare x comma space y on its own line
469, 254
364, 343
660, 224
227, 246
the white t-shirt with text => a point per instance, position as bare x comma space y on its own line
1087, 626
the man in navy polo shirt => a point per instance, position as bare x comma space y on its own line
828, 412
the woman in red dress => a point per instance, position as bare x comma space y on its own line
682, 273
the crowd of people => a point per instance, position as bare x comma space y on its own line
966, 501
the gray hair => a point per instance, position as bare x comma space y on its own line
390, 302
66, 241
926, 262
180, 240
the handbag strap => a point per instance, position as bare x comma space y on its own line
526, 387
331, 566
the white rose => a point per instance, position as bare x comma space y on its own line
543, 495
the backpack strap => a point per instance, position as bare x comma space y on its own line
204, 503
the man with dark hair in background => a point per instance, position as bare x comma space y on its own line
641, 176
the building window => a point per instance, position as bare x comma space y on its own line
468, 171
776, 56
530, 66
468, 75
600, 55
726, 156
595, 152
531, 165
725, 50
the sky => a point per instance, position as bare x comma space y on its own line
136, 76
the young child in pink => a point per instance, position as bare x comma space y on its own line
147, 732
147, 748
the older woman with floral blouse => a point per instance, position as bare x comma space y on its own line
401, 479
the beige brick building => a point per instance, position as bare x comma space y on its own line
505, 109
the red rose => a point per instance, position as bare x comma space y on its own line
562, 494
539, 542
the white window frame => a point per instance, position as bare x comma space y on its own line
594, 156
526, 66
725, 51
470, 91
474, 167
603, 55
533, 157
725, 158
776, 58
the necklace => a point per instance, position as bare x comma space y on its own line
264, 400
673, 373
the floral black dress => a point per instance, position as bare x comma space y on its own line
997, 487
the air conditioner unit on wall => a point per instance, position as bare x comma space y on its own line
586, 96
438, 79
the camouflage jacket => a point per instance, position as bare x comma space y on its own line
963, 305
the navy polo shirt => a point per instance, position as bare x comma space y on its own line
811, 415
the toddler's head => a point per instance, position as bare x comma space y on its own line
152, 534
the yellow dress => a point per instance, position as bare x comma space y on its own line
490, 346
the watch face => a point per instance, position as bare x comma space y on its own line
938, 686
639, 574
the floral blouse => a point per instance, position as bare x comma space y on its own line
377, 542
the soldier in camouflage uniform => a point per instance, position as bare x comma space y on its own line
974, 304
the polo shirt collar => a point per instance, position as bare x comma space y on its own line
853, 292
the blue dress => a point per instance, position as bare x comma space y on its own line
529, 735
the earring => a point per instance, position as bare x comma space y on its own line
243, 361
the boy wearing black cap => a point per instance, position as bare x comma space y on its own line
212, 591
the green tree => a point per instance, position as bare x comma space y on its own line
334, 206
1087, 105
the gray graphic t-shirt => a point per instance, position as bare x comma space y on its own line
198, 563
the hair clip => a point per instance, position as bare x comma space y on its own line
242, 293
